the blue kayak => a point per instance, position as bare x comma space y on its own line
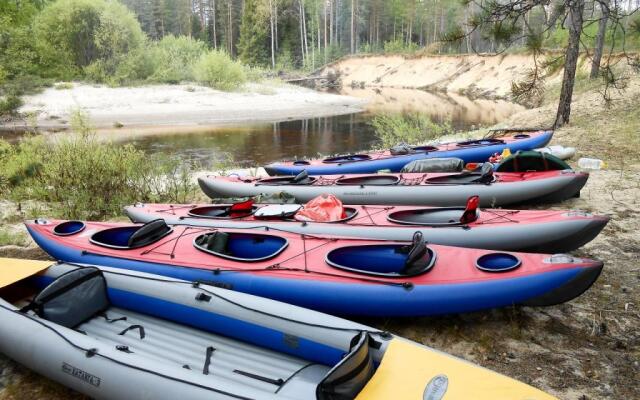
393, 160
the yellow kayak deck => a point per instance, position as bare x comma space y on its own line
408, 369
13, 270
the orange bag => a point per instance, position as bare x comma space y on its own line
324, 208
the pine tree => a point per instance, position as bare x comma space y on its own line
254, 43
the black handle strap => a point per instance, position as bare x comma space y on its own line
207, 360
138, 327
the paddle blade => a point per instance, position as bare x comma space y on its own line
13, 270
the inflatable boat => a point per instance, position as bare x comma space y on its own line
114, 334
394, 159
538, 231
435, 189
339, 276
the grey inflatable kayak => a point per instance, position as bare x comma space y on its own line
544, 231
114, 334
436, 189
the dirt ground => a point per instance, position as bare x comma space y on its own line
586, 349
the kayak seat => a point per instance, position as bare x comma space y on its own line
217, 242
72, 298
302, 178
132, 236
401, 149
149, 233
350, 375
240, 246
418, 258
485, 176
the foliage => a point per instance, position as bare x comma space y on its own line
173, 58
253, 48
75, 34
216, 69
400, 46
9, 104
85, 177
411, 128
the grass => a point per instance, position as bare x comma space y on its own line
8, 237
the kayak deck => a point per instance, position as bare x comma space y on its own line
238, 362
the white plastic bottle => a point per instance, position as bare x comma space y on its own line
590, 163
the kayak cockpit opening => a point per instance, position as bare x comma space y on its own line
240, 246
385, 260
347, 158
480, 142
370, 180
131, 237
277, 211
442, 216
434, 217
424, 148
302, 178
485, 176
233, 211
68, 228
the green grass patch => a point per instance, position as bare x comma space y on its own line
8, 237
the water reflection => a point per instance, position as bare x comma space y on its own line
463, 112
260, 144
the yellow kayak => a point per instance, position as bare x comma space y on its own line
413, 372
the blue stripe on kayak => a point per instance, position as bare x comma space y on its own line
220, 324
395, 164
348, 298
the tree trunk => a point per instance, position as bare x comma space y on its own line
271, 22
213, 21
602, 31
574, 21
353, 23
300, 9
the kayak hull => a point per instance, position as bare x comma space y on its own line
567, 232
550, 187
385, 161
344, 294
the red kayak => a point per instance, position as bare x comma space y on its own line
344, 276
544, 231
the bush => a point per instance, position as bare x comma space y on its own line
413, 128
85, 178
173, 58
9, 104
400, 46
74, 34
216, 69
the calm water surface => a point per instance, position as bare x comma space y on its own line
261, 144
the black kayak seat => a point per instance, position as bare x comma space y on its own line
484, 176
418, 258
302, 178
218, 242
149, 233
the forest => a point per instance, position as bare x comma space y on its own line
224, 43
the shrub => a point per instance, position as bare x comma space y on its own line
216, 69
413, 128
400, 46
173, 58
84, 177
9, 104
73, 34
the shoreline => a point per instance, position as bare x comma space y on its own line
171, 108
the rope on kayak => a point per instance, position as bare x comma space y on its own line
369, 215
172, 209
499, 216
92, 352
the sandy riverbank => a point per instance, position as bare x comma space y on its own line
179, 106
